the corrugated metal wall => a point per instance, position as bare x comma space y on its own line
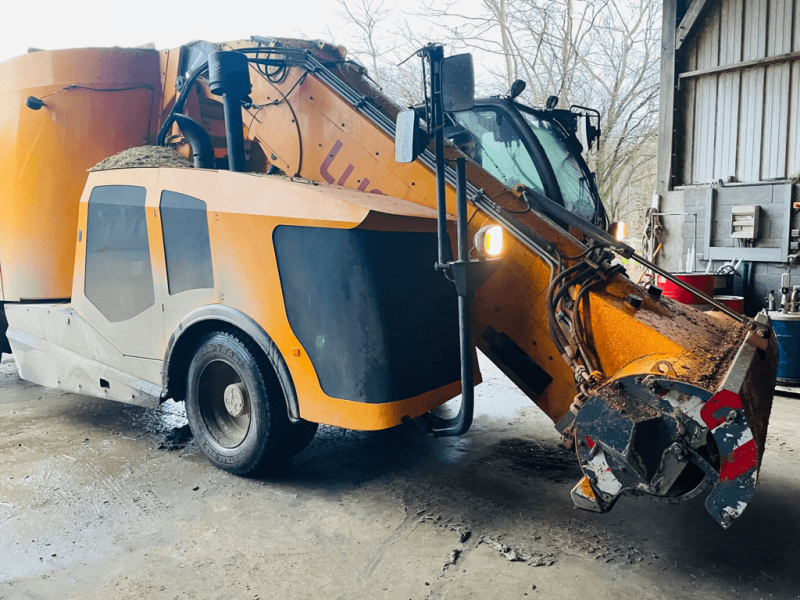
730, 79
742, 124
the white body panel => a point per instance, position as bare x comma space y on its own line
55, 347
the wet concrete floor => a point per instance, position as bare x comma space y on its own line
98, 501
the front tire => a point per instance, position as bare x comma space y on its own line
236, 408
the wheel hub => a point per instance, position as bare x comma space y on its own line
234, 399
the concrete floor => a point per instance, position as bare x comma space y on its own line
95, 505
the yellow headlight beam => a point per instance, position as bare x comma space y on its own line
489, 240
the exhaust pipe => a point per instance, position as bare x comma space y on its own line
229, 77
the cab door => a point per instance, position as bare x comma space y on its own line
115, 288
184, 265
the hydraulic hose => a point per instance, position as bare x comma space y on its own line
199, 139
177, 108
587, 273
555, 331
590, 358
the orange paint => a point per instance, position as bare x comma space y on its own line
45, 154
243, 212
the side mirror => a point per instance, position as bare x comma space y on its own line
592, 133
583, 133
409, 138
458, 83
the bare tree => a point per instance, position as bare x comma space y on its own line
598, 53
364, 18
535, 40
624, 69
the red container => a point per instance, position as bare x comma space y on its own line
733, 302
702, 281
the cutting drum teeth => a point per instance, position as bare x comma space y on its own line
670, 439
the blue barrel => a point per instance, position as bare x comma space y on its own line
787, 332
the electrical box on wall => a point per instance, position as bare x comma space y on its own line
769, 207
744, 221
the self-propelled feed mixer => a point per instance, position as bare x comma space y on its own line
328, 258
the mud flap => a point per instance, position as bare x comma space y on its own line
5, 347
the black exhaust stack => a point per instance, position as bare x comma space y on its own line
229, 77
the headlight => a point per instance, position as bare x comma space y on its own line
619, 229
489, 240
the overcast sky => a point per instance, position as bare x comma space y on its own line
51, 24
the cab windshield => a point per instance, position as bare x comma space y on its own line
490, 137
572, 178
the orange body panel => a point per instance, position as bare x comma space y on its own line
45, 154
243, 211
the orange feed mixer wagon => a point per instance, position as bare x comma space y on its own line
299, 274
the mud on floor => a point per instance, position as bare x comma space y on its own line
102, 500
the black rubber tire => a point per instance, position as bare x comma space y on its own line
300, 434
268, 438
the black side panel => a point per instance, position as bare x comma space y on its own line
119, 279
184, 223
378, 322
517, 361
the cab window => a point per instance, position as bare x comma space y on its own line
491, 139
572, 179
184, 222
118, 278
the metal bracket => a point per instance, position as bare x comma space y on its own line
542, 204
469, 275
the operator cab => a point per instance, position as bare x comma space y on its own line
537, 148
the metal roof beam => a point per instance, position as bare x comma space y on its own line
690, 21
746, 64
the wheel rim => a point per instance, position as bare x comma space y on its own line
224, 404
